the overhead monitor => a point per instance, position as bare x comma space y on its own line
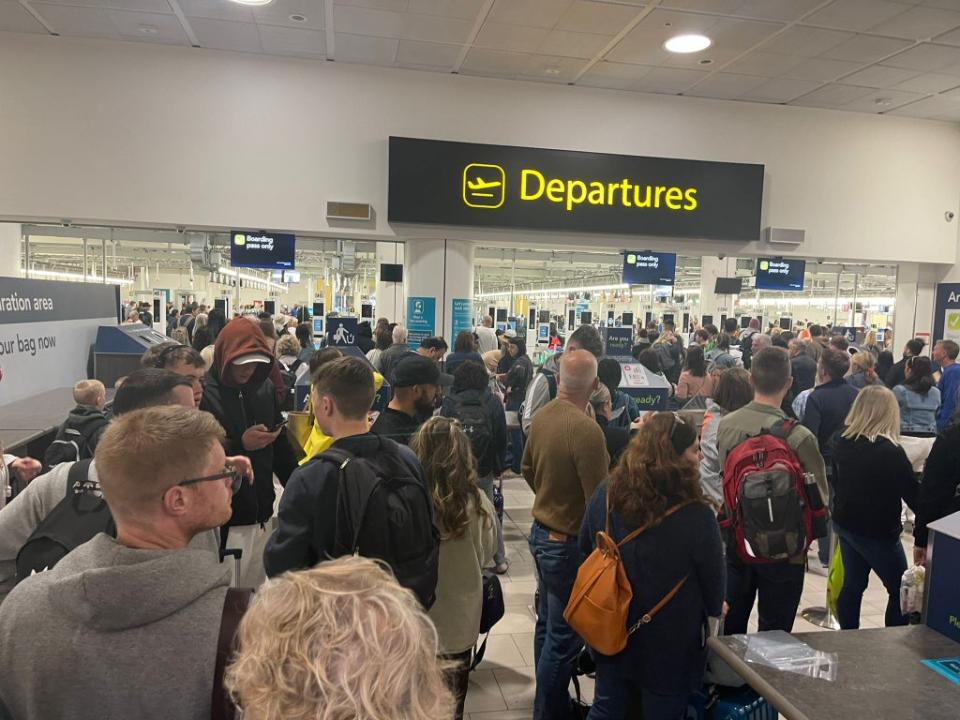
366, 310
270, 306
667, 318
501, 315
543, 316
268, 251
391, 273
780, 274
728, 286
649, 268
627, 319
745, 321
706, 320
786, 323
586, 318
318, 310
285, 276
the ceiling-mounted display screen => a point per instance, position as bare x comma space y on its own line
268, 251
391, 273
780, 274
728, 286
500, 186
649, 268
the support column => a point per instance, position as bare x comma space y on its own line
10, 238
913, 312
389, 296
710, 303
441, 269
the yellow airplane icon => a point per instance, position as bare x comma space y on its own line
483, 185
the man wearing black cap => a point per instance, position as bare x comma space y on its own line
416, 386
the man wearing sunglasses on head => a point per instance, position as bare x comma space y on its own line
131, 621
24, 514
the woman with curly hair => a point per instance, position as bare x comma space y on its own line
656, 486
465, 518
340, 640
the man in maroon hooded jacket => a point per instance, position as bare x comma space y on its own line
239, 393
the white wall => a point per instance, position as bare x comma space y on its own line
133, 133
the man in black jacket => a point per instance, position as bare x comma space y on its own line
803, 366
306, 534
897, 373
240, 394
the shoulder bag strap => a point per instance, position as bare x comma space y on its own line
648, 616
646, 527
234, 606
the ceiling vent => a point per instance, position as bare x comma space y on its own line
783, 236
349, 211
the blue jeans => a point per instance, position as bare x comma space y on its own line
617, 697
861, 555
555, 644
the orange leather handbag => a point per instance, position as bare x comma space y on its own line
600, 600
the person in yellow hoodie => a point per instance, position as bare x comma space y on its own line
317, 442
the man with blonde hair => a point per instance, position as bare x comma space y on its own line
340, 640
132, 622
564, 461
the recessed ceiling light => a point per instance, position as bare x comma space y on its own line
297, 17
687, 43
148, 29
552, 71
252, 2
884, 101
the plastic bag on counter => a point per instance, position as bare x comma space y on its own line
782, 651
911, 591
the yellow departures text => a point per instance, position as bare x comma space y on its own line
570, 193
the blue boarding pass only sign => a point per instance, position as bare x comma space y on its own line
947, 667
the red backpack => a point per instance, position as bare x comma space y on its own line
767, 508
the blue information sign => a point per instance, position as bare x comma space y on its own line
946, 315
617, 342
342, 331
462, 317
948, 667
421, 319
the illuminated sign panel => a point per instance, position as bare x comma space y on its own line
497, 186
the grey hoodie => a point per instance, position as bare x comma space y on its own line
113, 633
710, 468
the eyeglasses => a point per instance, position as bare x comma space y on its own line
236, 479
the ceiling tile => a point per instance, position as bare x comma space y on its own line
832, 95
740, 35
808, 42
926, 58
393, 5
725, 86
879, 76
929, 83
156, 6
919, 23
435, 28
513, 38
493, 62
279, 11
949, 38
78, 21
821, 70
277, 40
364, 21
881, 101
216, 9
365, 50
786, 10
551, 68
13, 18
644, 44
858, 15
592, 17
707, 60
532, 13
425, 54
618, 76
719, 7
928, 107
669, 80
463, 9
780, 90
149, 27
226, 35
866, 48
573, 44
945, 4
765, 63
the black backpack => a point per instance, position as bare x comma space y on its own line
472, 413
384, 511
289, 377
551, 377
70, 445
76, 519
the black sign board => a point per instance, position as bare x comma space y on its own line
450, 183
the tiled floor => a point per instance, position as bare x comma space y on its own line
502, 686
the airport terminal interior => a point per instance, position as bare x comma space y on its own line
484, 359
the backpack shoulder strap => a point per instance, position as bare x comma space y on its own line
234, 606
77, 473
782, 428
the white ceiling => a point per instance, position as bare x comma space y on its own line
878, 56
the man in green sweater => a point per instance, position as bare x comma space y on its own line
564, 461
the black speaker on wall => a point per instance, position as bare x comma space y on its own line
686, 322
571, 319
532, 318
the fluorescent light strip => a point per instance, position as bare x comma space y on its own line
592, 288
75, 276
250, 278
825, 301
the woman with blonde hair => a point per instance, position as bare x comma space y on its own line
862, 370
872, 478
678, 558
465, 518
340, 640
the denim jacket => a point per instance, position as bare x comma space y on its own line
918, 413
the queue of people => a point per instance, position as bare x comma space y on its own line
370, 574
